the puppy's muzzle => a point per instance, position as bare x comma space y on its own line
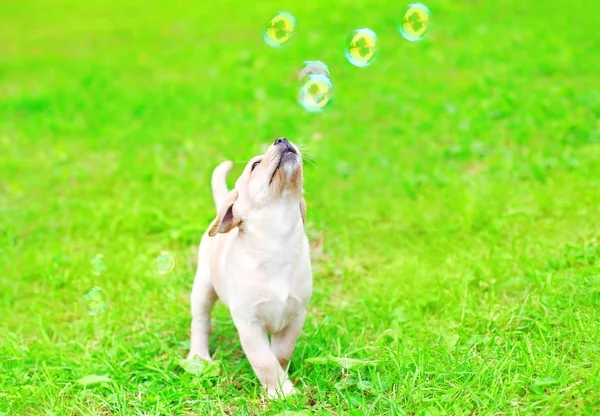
285, 146
287, 153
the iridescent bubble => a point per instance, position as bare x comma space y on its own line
316, 91
313, 67
165, 262
415, 25
280, 30
316, 87
95, 300
97, 263
362, 47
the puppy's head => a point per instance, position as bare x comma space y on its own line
267, 180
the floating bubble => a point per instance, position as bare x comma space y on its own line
95, 300
316, 87
165, 262
313, 67
97, 263
415, 22
362, 47
316, 91
280, 30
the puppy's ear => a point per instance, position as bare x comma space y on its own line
303, 210
225, 220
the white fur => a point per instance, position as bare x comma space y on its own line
261, 270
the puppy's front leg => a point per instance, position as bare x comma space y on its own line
203, 299
283, 342
255, 343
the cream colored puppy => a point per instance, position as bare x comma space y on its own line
255, 258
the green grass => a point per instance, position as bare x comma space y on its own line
453, 205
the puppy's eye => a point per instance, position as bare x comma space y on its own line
255, 164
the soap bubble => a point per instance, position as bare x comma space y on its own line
280, 30
97, 264
362, 47
316, 88
95, 300
316, 91
415, 25
165, 262
313, 67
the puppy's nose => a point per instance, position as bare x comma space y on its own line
285, 145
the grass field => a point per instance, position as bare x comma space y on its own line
453, 205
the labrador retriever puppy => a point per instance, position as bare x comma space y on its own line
255, 258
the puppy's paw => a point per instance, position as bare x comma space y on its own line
204, 357
285, 390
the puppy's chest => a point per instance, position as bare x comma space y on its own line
277, 314
280, 301
278, 279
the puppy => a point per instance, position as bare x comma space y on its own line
255, 258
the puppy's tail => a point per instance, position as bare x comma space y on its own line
219, 186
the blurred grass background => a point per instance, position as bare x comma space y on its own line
453, 203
